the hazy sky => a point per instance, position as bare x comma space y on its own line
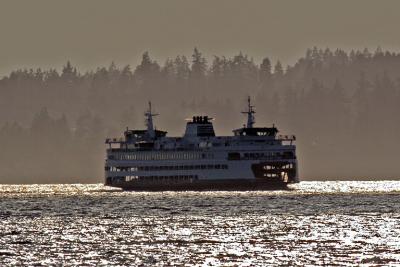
90, 33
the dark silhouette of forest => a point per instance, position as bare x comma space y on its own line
342, 106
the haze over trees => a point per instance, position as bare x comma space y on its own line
343, 107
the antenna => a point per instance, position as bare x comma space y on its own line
250, 114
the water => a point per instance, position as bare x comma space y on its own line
318, 223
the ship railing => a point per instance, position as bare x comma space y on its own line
115, 140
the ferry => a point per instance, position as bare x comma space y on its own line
253, 158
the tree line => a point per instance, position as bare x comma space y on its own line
342, 106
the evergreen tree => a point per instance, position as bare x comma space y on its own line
265, 73
199, 65
278, 70
147, 75
182, 74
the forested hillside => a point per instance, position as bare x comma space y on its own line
343, 107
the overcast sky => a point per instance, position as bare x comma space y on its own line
91, 33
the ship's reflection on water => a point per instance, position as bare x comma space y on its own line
318, 223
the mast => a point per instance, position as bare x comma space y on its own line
149, 121
250, 114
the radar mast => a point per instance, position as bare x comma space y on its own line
250, 114
149, 121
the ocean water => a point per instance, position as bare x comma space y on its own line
316, 223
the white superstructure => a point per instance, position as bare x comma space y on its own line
253, 158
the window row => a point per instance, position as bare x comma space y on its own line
161, 178
283, 167
166, 168
271, 154
161, 156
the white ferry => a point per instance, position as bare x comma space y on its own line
253, 158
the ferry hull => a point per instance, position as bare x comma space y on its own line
205, 185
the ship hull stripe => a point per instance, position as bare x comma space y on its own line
201, 185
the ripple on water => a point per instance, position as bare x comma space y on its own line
317, 223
